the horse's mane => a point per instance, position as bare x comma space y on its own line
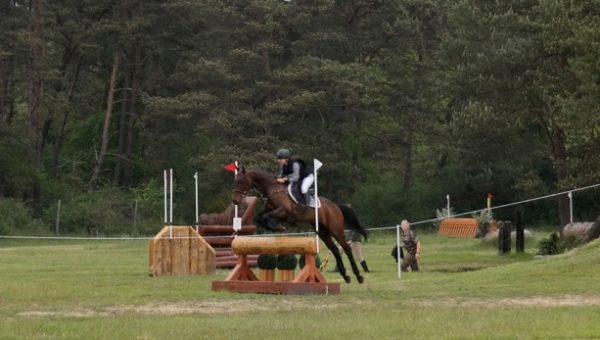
261, 173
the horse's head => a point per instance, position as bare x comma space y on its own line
241, 186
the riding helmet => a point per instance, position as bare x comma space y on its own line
283, 153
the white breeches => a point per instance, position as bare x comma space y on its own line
306, 183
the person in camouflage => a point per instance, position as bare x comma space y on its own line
412, 245
355, 239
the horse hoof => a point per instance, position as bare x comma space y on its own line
360, 279
347, 279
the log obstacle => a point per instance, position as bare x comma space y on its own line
217, 230
243, 280
459, 227
182, 252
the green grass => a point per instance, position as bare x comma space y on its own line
101, 290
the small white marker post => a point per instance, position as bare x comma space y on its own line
171, 203
448, 205
317, 165
165, 195
570, 194
237, 221
196, 191
398, 251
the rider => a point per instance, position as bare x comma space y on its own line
295, 171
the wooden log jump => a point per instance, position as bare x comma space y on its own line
308, 281
459, 227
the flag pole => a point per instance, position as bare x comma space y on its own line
237, 222
317, 165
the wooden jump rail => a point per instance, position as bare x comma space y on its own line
308, 281
459, 227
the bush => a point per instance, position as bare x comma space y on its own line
301, 261
549, 246
286, 262
267, 261
554, 245
15, 217
105, 212
485, 218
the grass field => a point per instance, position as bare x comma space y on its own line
101, 290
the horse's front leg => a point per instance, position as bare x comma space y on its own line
279, 213
266, 220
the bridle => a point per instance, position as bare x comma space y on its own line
243, 193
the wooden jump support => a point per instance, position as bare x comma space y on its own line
459, 227
183, 252
243, 280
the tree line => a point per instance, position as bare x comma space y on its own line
404, 101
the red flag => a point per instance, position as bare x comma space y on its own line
231, 167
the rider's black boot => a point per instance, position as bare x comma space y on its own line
307, 199
302, 199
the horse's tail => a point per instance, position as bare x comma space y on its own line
352, 220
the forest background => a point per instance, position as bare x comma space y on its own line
404, 101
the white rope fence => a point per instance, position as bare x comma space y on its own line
394, 227
469, 213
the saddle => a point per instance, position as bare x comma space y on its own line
294, 195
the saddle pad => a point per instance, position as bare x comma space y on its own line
312, 201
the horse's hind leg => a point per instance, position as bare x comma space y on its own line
326, 237
342, 241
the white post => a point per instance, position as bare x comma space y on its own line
398, 251
165, 194
448, 205
316, 165
135, 209
196, 191
570, 194
237, 221
171, 203
58, 217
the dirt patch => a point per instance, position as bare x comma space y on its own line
172, 308
458, 269
532, 301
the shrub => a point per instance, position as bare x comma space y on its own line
16, 218
286, 262
266, 261
105, 212
549, 246
485, 218
554, 245
301, 261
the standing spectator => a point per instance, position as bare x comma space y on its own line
354, 240
412, 245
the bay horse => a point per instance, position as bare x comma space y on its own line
332, 217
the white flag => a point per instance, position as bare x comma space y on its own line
317, 164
